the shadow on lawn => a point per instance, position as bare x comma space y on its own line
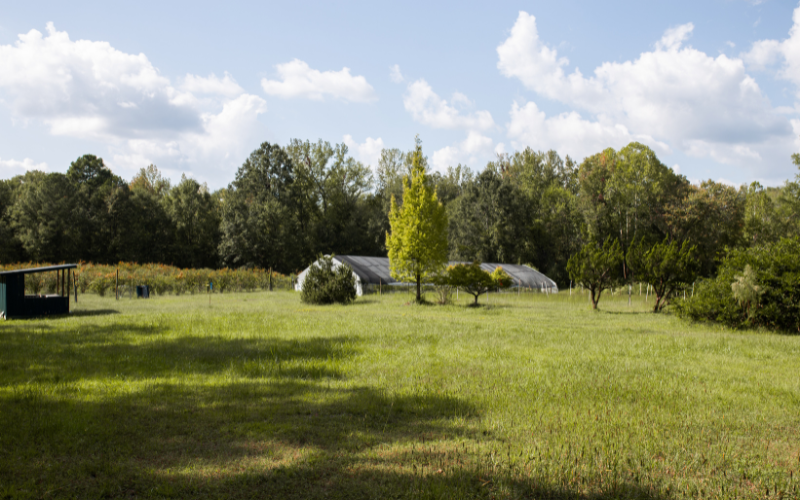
39, 352
284, 425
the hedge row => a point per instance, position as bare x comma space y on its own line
162, 279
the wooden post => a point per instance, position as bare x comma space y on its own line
75, 283
68, 283
116, 286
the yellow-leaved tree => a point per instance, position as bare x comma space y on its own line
417, 242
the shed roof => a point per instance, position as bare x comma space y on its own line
38, 269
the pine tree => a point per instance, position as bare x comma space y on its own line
418, 240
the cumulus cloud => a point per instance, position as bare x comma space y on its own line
428, 108
767, 52
212, 84
569, 133
9, 168
90, 90
368, 152
675, 94
474, 148
297, 79
674, 37
395, 75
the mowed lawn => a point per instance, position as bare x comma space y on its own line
261, 396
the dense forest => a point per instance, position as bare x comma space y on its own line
288, 204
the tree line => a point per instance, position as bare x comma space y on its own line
287, 204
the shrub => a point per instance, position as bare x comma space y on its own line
475, 280
754, 287
326, 283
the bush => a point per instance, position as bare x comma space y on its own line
754, 287
326, 284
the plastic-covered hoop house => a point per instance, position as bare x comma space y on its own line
375, 271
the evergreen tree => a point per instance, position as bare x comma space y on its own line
418, 240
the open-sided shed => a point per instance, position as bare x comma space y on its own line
15, 304
375, 271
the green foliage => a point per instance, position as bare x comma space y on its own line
711, 216
259, 226
418, 240
195, 216
625, 194
666, 266
755, 287
597, 268
488, 222
41, 217
474, 280
327, 283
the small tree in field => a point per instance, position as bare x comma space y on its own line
475, 280
665, 266
418, 240
596, 267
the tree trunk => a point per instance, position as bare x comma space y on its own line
419, 289
595, 300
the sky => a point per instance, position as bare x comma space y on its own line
712, 86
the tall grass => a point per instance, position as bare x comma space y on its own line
261, 396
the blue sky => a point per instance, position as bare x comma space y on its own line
712, 86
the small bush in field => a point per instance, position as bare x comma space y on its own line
326, 283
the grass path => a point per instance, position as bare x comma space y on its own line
261, 396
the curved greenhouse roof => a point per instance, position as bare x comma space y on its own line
375, 271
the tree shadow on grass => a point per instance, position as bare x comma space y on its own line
99, 412
91, 312
279, 439
38, 352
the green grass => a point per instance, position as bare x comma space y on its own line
261, 396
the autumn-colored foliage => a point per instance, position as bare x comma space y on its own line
162, 279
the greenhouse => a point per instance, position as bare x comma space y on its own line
373, 272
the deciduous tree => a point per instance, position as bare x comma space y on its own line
665, 266
417, 242
597, 268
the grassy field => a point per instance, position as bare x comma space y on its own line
260, 396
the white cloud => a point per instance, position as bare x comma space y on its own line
570, 134
675, 94
11, 168
368, 153
212, 84
674, 37
297, 79
474, 148
89, 90
428, 108
395, 75
767, 52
